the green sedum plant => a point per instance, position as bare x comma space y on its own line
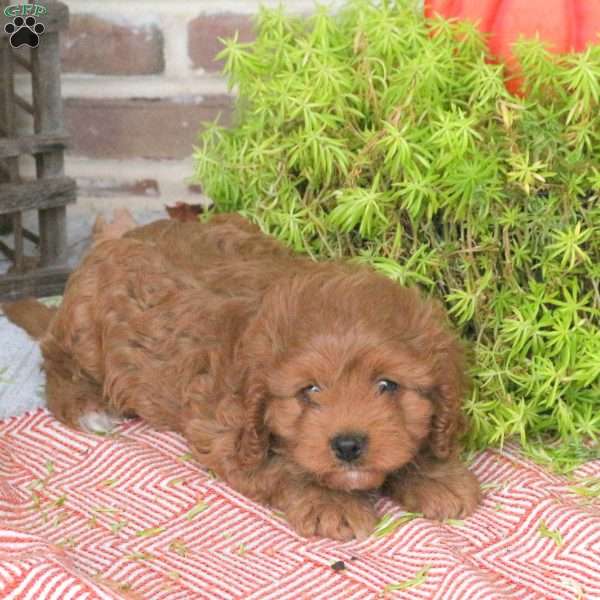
376, 135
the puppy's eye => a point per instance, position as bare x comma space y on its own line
386, 386
306, 392
310, 389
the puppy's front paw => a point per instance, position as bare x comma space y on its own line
99, 422
441, 491
333, 515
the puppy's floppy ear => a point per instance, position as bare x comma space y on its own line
254, 356
451, 384
258, 350
424, 322
254, 437
448, 420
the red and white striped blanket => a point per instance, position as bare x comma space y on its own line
130, 516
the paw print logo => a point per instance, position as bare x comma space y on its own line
24, 32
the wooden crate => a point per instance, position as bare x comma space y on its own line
50, 191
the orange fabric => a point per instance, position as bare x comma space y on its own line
565, 25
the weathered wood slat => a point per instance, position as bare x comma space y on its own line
19, 258
28, 235
53, 234
32, 237
40, 282
48, 118
9, 167
21, 60
38, 194
7, 106
32, 144
23, 104
7, 251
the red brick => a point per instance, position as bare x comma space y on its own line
204, 33
101, 47
113, 128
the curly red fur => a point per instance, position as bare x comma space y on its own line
217, 331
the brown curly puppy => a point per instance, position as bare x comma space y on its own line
304, 385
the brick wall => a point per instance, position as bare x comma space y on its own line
139, 78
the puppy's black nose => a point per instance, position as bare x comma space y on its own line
348, 446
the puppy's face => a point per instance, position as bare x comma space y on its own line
349, 413
356, 375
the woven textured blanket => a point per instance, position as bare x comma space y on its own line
131, 516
